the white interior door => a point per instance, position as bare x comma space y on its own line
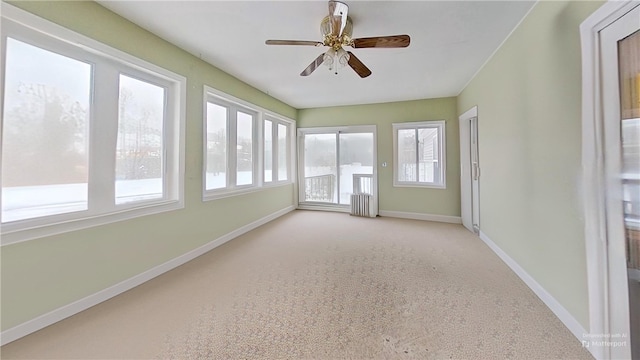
470, 170
620, 49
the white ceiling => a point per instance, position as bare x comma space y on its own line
450, 41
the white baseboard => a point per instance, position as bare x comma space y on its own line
75, 307
561, 313
419, 216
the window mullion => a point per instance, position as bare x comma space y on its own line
103, 137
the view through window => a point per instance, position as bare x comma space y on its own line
246, 148
139, 150
45, 139
86, 139
337, 164
419, 154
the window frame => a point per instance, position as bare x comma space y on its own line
440, 125
231, 172
168, 187
107, 64
275, 150
215, 96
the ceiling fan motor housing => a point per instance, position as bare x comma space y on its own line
332, 41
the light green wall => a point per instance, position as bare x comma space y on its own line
529, 109
41, 275
529, 99
414, 200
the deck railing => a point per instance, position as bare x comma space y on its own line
323, 187
320, 188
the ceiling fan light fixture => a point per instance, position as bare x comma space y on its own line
343, 57
334, 59
329, 59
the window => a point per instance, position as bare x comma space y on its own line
419, 154
283, 152
139, 150
277, 150
88, 138
245, 150
246, 147
230, 144
268, 151
216, 163
45, 133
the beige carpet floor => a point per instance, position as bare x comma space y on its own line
317, 285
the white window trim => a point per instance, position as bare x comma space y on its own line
211, 94
441, 125
24, 230
275, 171
231, 171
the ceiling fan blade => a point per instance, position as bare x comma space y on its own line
313, 66
357, 65
338, 17
395, 41
293, 42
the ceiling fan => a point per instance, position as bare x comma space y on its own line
336, 31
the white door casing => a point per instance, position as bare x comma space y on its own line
469, 176
608, 293
475, 175
618, 290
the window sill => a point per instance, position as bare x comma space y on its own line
423, 186
225, 193
13, 233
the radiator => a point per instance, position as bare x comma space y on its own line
360, 205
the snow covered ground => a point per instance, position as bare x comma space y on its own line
26, 202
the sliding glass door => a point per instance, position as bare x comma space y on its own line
320, 168
336, 163
356, 163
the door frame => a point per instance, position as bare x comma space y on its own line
593, 173
466, 184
